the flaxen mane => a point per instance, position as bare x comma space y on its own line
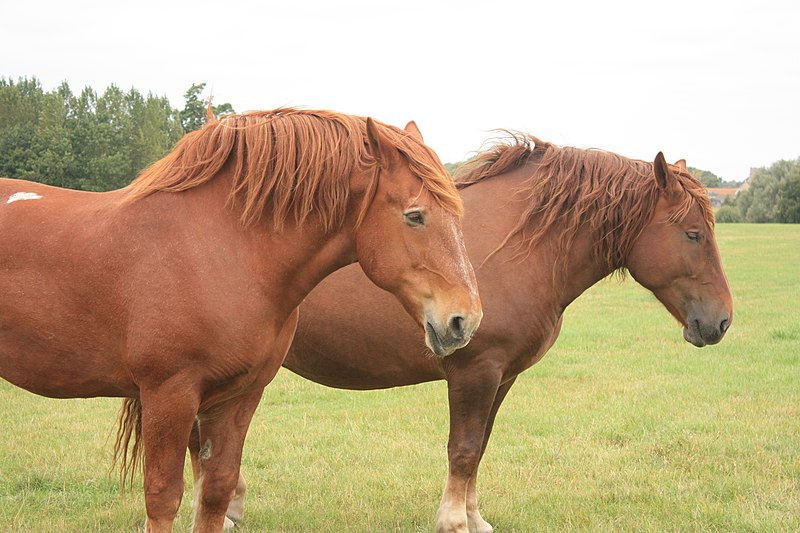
571, 188
289, 162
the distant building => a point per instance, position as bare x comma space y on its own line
719, 195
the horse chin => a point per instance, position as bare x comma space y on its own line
692, 336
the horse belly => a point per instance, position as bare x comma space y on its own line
56, 340
57, 373
59, 353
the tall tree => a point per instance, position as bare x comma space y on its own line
53, 157
709, 179
83, 140
770, 197
787, 208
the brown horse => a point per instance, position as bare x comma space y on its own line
542, 225
180, 291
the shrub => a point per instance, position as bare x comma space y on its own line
727, 213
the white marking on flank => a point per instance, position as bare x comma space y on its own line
23, 196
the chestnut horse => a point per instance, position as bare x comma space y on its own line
561, 220
180, 291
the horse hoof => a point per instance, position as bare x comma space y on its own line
453, 527
229, 524
484, 527
478, 525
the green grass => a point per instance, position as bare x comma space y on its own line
622, 427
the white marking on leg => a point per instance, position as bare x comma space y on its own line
452, 514
22, 196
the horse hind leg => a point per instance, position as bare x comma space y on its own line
221, 435
471, 394
235, 513
474, 519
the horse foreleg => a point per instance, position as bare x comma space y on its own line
167, 417
476, 522
471, 392
221, 436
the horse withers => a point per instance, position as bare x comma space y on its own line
561, 219
180, 291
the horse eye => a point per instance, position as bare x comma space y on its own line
414, 218
693, 236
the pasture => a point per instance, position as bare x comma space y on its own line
622, 427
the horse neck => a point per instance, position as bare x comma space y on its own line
290, 262
555, 279
578, 271
305, 256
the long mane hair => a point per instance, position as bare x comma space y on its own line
289, 162
571, 188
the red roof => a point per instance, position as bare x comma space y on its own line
723, 191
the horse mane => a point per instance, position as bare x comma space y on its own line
572, 188
290, 162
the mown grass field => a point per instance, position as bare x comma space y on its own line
622, 427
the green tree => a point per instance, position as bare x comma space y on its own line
20, 106
764, 201
82, 141
727, 213
709, 179
156, 128
787, 208
193, 116
730, 184
53, 158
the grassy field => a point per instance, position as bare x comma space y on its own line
622, 427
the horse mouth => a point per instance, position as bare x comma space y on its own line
691, 334
695, 334
435, 343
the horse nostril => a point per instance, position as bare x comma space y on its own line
723, 326
456, 324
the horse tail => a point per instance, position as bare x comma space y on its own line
130, 427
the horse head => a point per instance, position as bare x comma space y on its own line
409, 239
677, 258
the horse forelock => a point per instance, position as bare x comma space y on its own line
290, 161
570, 189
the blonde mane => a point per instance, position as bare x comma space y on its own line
571, 189
290, 162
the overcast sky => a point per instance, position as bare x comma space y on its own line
716, 83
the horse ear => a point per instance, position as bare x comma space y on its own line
412, 129
681, 164
664, 175
380, 147
210, 113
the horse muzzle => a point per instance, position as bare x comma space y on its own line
445, 338
704, 332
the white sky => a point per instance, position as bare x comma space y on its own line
716, 83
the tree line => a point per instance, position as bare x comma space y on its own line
99, 142
89, 141
709, 179
773, 195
